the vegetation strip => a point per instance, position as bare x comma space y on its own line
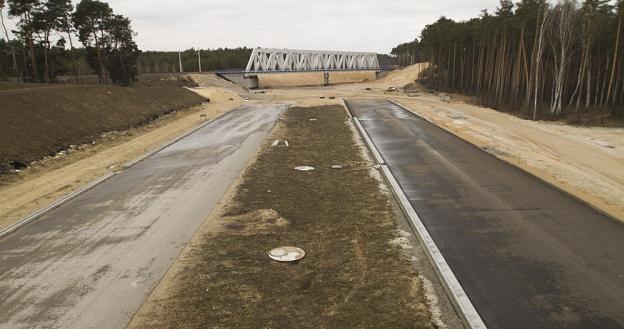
351, 276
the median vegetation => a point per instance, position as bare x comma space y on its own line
352, 275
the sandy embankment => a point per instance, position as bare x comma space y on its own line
282, 80
40, 186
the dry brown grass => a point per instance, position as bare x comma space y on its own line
352, 276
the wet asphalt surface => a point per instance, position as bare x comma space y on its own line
527, 255
91, 262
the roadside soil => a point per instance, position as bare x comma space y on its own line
48, 180
353, 274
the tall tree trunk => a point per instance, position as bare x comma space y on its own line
538, 58
72, 54
100, 61
6, 35
31, 46
615, 57
46, 60
588, 87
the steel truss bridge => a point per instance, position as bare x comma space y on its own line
265, 60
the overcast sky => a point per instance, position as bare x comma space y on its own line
356, 25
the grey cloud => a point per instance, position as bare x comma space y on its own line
365, 25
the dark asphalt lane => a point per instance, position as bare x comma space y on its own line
527, 255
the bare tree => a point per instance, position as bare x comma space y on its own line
6, 35
538, 56
563, 22
615, 57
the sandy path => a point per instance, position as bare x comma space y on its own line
41, 186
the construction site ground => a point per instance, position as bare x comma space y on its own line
355, 273
345, 218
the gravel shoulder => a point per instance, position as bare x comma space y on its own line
354, 275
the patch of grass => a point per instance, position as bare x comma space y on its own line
351, 277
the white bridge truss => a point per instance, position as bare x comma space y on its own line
264, 60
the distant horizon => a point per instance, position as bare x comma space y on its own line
363, 25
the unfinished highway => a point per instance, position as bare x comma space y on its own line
91, 262
527, 255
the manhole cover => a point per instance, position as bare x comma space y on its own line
304, 168
286, 254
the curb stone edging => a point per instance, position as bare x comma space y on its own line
464, 307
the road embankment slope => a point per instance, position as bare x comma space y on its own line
37, 121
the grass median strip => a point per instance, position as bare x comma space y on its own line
352, 275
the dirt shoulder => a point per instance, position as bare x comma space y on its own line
352, 275
49, 180
586, 162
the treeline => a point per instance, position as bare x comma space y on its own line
530, 57
406, 53
44, 44
211, 59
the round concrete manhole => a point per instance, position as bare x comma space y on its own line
287, 254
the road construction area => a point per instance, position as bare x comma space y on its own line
527, 255
354, 274
91, 262
527, 214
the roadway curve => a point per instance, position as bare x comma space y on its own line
91, 262
527, 255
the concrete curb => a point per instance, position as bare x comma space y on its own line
39, 213
463, 305
369, 142
467, 312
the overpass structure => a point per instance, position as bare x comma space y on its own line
271, 60
265, 60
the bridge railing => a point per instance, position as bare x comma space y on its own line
264, 60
